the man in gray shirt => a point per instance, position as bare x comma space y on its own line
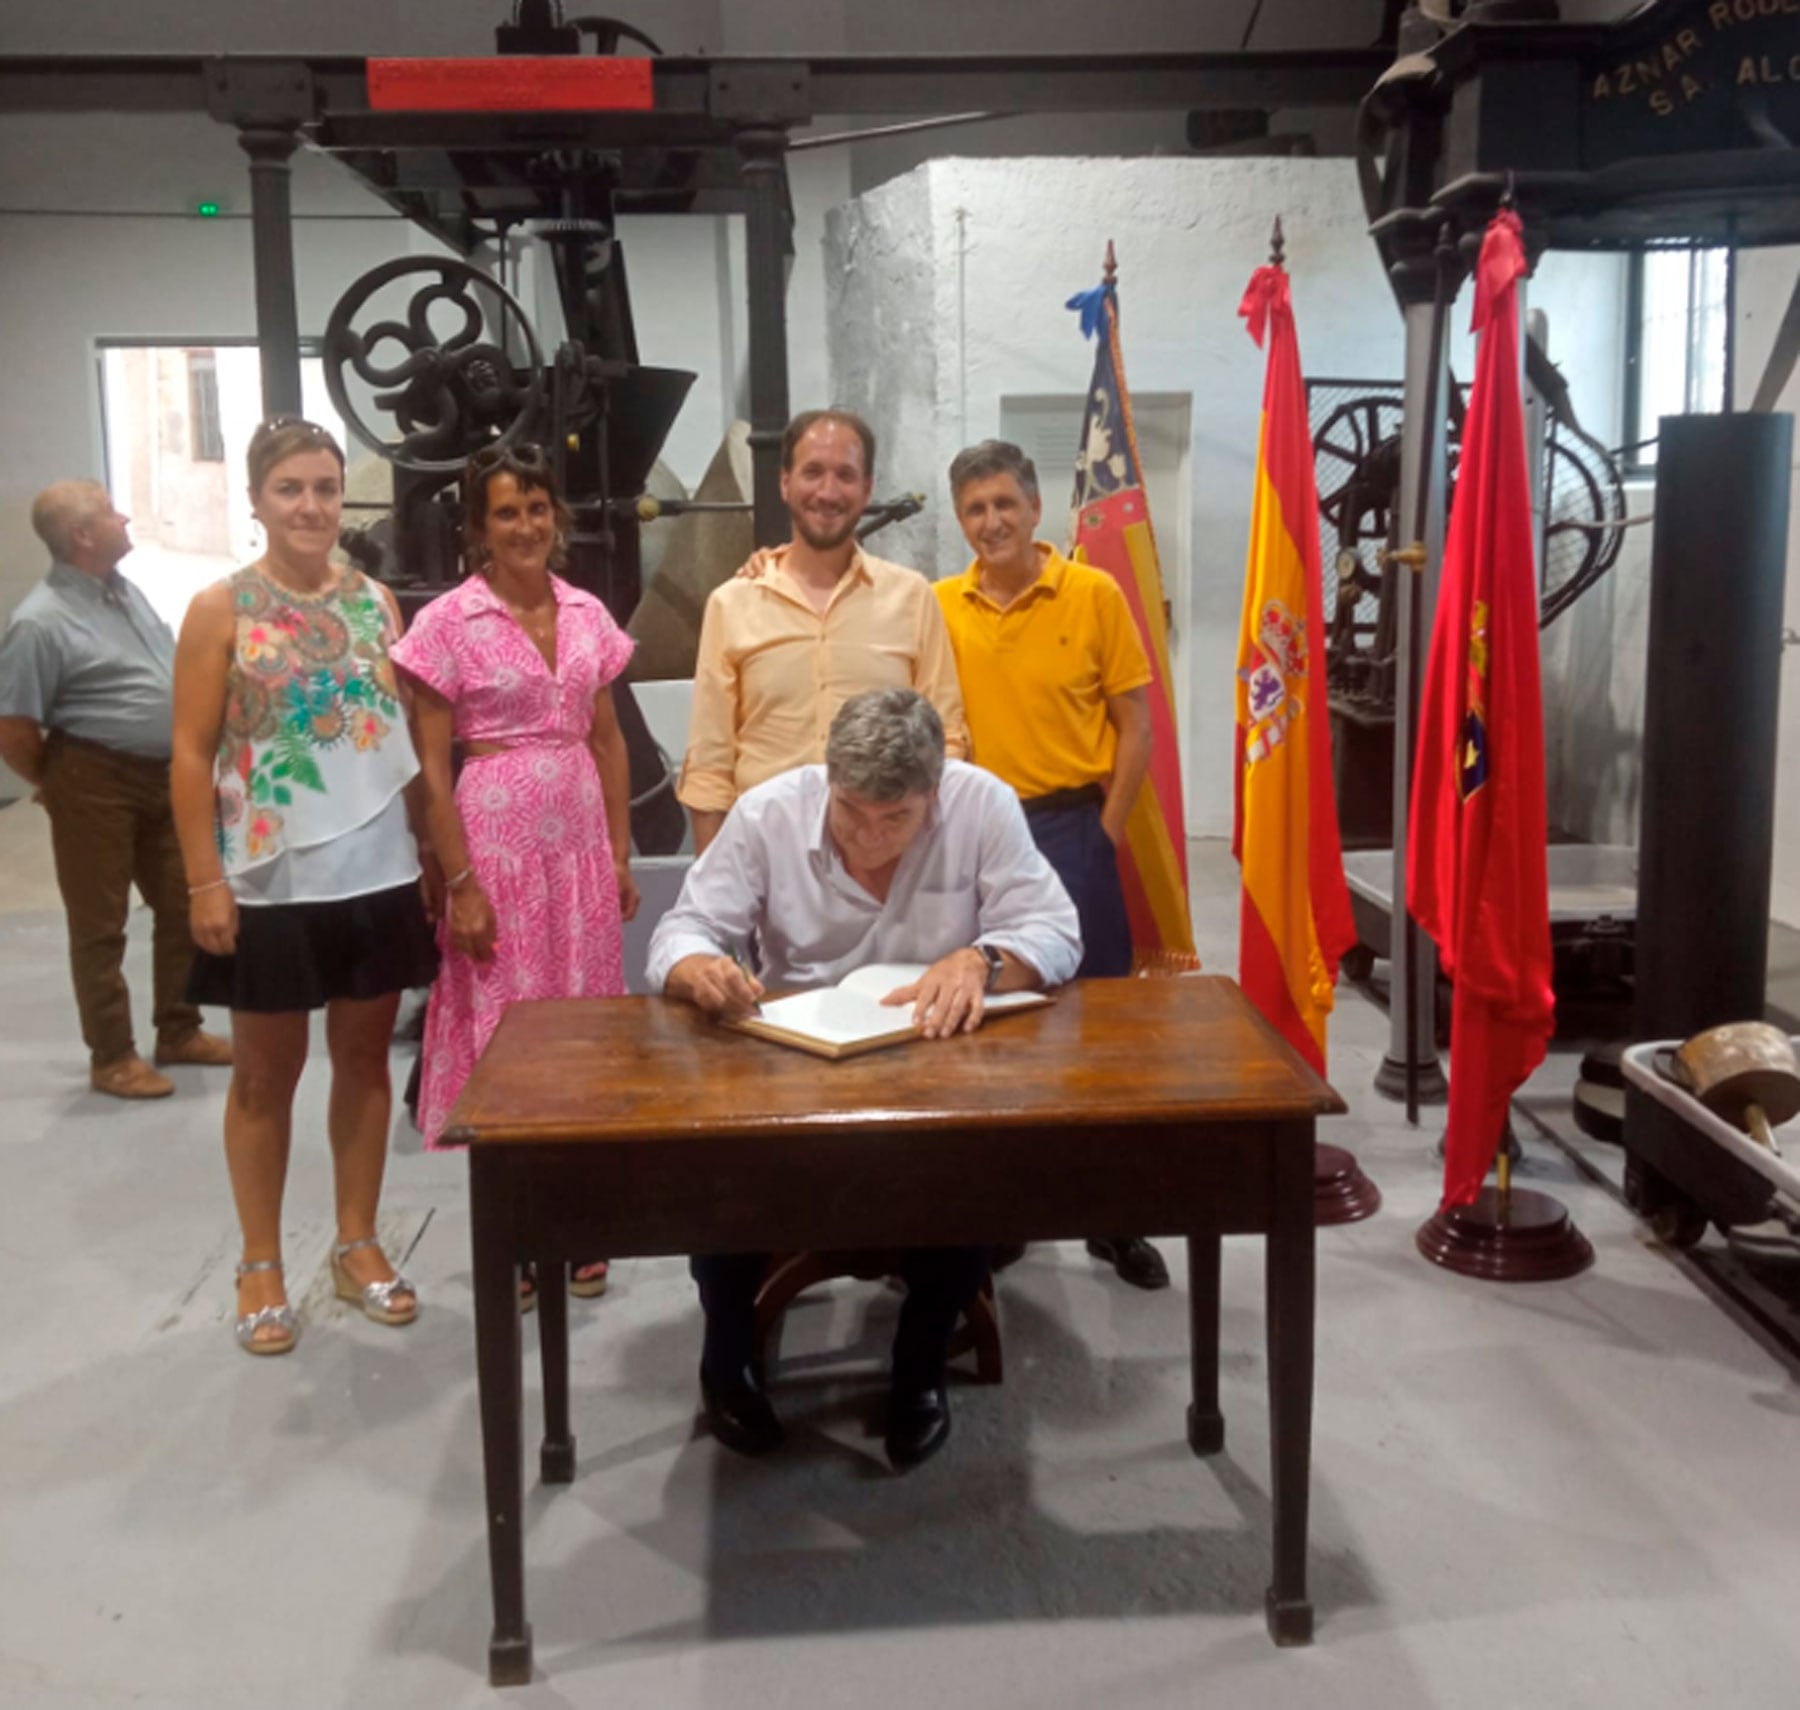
86, 700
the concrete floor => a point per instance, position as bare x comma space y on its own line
1560, 1495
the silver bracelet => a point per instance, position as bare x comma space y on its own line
210, 885
466, 873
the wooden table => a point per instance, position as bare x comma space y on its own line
633, 1126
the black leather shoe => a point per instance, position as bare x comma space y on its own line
1136, 1261
739, 1414
918, 1425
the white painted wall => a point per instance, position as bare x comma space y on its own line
1765, 283
1593, 668
1595, 659
948, 291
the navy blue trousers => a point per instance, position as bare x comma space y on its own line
940, 1283
1073, 841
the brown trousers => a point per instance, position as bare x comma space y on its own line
110, 824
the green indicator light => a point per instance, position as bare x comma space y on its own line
207, 210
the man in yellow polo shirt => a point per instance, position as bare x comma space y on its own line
1055, 687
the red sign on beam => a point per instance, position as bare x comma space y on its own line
511, 83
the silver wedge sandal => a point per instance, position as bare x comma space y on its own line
280, 1317
376, 1298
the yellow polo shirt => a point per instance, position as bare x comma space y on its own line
1036, 675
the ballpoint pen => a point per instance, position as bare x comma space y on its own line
743, 968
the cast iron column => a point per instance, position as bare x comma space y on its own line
1419, 514
1712, 701
1706, 817
766, 255
272, 241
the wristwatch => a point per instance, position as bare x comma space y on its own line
996, 965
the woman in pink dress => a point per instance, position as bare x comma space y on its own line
535, 836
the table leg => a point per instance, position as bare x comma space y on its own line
1290, 1259
497, 1359
556, 1460
1205, 1423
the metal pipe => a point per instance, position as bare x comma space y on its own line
765, 250
1411, 1070
906, 128
1537, 439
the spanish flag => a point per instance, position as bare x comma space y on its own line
1110, 529
1294, 919
1477, 877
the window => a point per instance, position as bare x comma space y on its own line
203, 407
177, 418
1678, 318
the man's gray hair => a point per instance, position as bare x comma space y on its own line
885, 744
993, 457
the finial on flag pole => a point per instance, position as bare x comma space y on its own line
1276, 244
1112, 264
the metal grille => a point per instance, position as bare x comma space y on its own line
1356, 437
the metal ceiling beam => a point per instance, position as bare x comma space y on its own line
152, 82
781, 87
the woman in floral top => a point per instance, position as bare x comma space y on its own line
291, 771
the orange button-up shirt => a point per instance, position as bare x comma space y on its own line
772, 672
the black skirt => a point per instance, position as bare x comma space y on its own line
305, 955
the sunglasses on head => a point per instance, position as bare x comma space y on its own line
276, 424
491, 456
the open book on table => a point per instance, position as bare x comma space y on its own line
849, 1018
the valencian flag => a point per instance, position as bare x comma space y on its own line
1477, 879
1111, 530
1294, 917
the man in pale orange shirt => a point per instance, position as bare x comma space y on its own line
781, 650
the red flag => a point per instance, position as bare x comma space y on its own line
1294, 913
1111, 530
1476, 870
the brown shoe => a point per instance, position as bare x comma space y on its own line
206, 1049
130, 1077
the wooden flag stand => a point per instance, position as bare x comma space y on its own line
1506, 1234
1341, 1192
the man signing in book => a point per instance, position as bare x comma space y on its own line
886, 853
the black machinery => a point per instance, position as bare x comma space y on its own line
1356, 430
1678, 124
602, 416
458, 367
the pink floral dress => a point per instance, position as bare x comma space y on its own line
533, 816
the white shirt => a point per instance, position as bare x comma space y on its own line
379, 855
971, 876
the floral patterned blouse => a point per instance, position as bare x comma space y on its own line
314, 743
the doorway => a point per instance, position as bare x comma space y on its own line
177, 420
1048, 428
